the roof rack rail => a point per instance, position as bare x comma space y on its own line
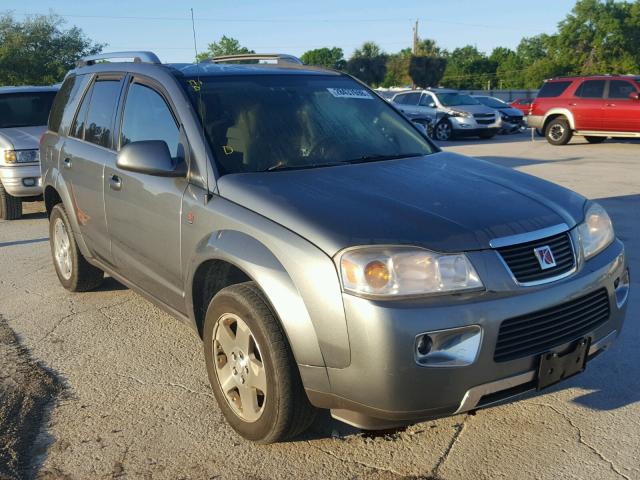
280, 58
138, 57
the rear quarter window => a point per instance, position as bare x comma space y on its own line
553, 89
65, 103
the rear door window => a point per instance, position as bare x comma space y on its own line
100, 116
620, 89
591, 89
553, 89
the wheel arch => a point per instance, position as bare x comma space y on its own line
239, 257
558, 112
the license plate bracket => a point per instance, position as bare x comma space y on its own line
555, 367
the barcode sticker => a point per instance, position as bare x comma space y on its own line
350, 93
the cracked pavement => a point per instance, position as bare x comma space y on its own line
137, 403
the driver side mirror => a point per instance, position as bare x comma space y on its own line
151, 157
634, 96
432, 105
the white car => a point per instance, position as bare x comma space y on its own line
451, 113
24, 112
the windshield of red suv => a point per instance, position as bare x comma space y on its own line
25, 109
274, 122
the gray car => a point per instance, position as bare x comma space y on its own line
327, 253
450, 113
512, 118
23, 119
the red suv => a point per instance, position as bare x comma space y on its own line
595, 107
522, 104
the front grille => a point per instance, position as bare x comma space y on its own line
524, 265
485, 122
484, 115
543, 330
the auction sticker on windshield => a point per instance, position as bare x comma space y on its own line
350, 93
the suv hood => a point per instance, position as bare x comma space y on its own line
444, 201
21, 138
512, 112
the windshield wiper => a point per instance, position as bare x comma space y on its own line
379, 158
284, 166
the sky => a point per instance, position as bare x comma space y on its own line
293, 27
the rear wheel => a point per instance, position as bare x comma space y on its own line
595, 139
251, 369
558, 131
10, 206
73, 270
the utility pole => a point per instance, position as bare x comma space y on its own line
414, 49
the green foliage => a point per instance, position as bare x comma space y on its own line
427, 71
397, 73
39, 50
325, 57
224, 46
369, 64
468, 68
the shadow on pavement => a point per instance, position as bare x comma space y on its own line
24, 242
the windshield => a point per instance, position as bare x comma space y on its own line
492, 102
271, 122
25, 109
453, 99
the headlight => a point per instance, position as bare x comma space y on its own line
21, 156
596, 233
455, 113
399, 271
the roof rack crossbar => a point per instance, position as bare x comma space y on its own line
278, 57
137, 57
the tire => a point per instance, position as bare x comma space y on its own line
73, 270
595, 139
10, 206
443, 131
487, 135
558, 131
280, 411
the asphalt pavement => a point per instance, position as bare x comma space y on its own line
105, 385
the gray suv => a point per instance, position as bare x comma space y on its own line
325, 251
450, 114
23, 119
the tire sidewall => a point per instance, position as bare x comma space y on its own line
58, 213
566, 136
262, 428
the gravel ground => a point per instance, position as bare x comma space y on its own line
137, 404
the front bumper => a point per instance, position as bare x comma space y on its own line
14, 177
384, 386
468, 126
535, 121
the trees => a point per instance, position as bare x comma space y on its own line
39, 50
468, 68
325, 57
368, 63
427, 71
224, 46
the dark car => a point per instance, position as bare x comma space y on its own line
512, 118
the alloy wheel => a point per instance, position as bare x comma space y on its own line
239, 366
62, 249
443, 131
556, 131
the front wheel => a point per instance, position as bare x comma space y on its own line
10, 206
251, 369
595, 139
443, 131
558, 131
73, 270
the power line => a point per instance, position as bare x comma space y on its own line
270, 20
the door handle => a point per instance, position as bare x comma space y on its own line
611, 104
572, 104
67, 162
115, 183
